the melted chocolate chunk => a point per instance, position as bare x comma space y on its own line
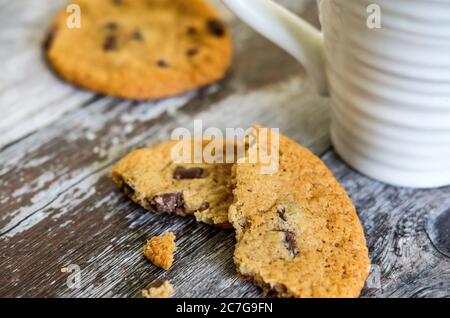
290, 243
191, 31
137, 35
129, 191
281, 211
192, 52
181, 173
204, 206
49, 39
112, 26
168, 203
162, 64
110, 43
216, 28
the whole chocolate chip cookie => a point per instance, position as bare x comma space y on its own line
298, 234
153, 180
140, 49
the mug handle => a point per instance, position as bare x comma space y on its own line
296, 36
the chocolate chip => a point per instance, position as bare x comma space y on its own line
181, 173
192, 52
204, 206
251, 140
191, 30
244, 222
117, 2
49, 39
137, 35
110, 43
281, 211
129, 191
290, 242
216, 27
162, 64
112, 26
168, 203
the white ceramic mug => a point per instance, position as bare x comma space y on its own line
389, 86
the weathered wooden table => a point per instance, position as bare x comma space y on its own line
58, 205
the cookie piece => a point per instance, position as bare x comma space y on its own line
165, 290
153, 180
298, 234
159, 250
141, 49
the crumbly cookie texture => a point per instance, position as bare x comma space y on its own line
159, 250
166, 290
140, 49
298, 234
153, 180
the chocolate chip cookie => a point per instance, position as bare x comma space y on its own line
297, 231
140, 49
151, 178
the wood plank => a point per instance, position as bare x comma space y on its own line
404, 261
30, 96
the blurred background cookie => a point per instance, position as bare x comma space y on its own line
141, 49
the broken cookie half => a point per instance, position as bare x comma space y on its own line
175, 178
297, 231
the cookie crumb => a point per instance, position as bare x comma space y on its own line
159, 250
165, 290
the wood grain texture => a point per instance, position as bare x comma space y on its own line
58, 205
